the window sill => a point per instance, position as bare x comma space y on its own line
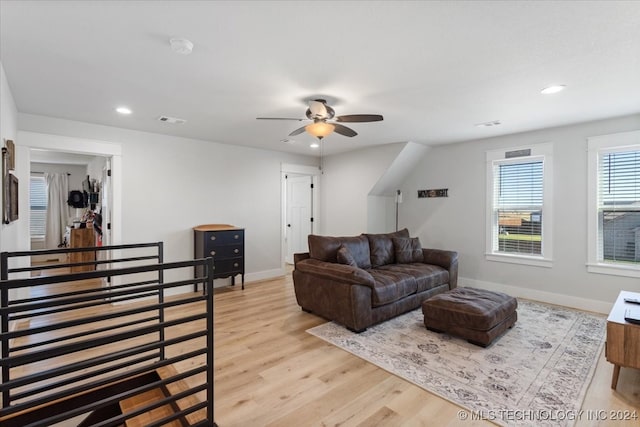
614, 270
520, 259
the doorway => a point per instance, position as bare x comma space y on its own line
300, 208
71, 146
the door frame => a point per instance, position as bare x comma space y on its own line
34, 140
315, 173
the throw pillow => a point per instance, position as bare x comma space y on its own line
345, 257
381, 247
407, 250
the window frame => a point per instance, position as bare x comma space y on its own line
619, 142
544, 152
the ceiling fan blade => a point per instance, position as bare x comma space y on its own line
297, 131
343, 130
353, 118
278, 118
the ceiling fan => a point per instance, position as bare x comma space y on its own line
325, 121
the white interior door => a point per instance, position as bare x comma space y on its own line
299, 220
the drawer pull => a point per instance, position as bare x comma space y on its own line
236, 236
213, 253
236, 250
213, 237
235, 264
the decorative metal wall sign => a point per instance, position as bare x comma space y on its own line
441, 192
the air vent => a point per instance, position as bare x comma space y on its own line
517, 153
173, 120
488, 124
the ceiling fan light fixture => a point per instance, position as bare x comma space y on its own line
320, 129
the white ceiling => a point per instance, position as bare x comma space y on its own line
432, 69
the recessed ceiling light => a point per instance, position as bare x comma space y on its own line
123, 110
314, 145
488, 124
552, 89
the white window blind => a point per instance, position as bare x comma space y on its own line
37, 205
619, 207
518, 207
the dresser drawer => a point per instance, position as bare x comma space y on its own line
221, 252
229, 237
227, 266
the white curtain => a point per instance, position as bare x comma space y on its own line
57, 208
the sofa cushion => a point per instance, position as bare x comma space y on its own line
390, 286
325, 248
428, 276
407, 250
344, 256
381, 247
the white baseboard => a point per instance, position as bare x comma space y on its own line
264, 275
251, 277
596, 306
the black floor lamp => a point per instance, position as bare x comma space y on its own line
398, 201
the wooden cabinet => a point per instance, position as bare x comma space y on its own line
225, 243
82, 238
623, 338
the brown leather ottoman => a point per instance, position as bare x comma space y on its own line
477, 315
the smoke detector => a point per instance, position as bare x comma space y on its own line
172, 120
181, 46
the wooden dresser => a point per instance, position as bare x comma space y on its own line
225, 243
82, 238
623, 338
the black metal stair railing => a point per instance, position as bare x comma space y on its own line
82, 348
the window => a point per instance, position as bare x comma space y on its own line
614, 204
519, 200
38, 206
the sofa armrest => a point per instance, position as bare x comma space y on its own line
334, 271
445, 259
299, 257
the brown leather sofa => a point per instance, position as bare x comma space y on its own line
363, 280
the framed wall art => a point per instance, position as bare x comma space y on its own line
9, 188
13, 198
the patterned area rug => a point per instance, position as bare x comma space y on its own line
536, 374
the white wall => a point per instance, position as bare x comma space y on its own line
14, 236
381, 214
8, 130
171, 184
346, 183
458, 222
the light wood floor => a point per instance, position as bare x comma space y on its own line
270, 372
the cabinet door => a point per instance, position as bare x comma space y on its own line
615, 343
